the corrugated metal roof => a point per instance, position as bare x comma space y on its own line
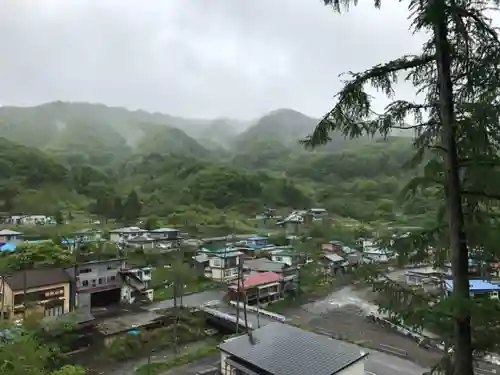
334, 258
257, 279
281, 349
476, 285
264, 265
36, 278
8, 232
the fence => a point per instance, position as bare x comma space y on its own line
256, 310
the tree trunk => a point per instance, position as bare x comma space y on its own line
176, 311
463, 363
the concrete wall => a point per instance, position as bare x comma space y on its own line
96, 277
219, 274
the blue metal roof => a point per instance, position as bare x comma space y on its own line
256, 238
476, 286
8, 247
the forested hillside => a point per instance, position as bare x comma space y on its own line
91, 158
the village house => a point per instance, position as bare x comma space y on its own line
333, 264
373, 253
96, 283
257, 289
10, 236
136, 284
257, 242
42, 290
169, 238
292, 223
29, 220
282, 349
125, 234
318, 213
143, 241
289, 256
332, 246
288, 275
477, 289
429, 278
224, 264
87, 235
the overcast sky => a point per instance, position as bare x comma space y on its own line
193, 58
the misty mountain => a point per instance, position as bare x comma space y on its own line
84, 133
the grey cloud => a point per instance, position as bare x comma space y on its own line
193, 58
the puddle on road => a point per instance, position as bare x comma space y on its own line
347, 298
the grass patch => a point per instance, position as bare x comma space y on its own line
157, 368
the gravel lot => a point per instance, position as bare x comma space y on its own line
343, 315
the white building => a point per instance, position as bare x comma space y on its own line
10, 236
136, 284
29, 220
125, 234
224, 265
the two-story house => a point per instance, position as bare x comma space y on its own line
136, 284
224, 264
288, 256
42, 290
257, 289
124, 234
96, 283
167, 238
88, 235
10, 236
288, 275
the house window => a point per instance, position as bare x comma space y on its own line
278, 258
216, 262
110, 267
273, 289
111, 278
94, 283
227, 273
85, 283
57, 310
85, 270
101, 280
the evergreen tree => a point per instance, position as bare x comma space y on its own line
117, 209
59, 217
457, 131
132, 207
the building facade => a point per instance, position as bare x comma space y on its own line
45, 291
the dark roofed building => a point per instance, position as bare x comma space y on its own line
281, 349
36, 278
46, 289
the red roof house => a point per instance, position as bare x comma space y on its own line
258, 279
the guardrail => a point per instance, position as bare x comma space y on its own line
256, 310
209, 371
393, 350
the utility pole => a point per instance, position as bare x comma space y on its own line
238, 298
258, 307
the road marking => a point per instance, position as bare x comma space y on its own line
369, 373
